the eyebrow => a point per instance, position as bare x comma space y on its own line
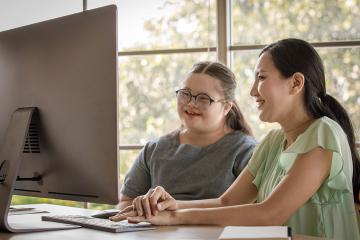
261, 71
187, 88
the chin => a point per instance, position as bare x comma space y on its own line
195, 127
265, 118
191, 125
262, 117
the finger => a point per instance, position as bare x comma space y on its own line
150, 191
127, 209
138, 206
153, 201
155, 197
157, 193
146, 206
167, 204
136, 219
120, 217
165, 195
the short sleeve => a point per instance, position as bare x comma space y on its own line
138, 179
245, 152
328, 135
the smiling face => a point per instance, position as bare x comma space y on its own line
202, 119
271, 91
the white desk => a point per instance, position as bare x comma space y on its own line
170, 232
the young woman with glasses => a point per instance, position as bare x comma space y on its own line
304, 175
204, 156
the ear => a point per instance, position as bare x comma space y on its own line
297, 83
227, 107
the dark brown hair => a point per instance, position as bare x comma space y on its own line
234, 119
295, 55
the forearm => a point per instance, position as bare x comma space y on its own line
242, 215
212, 203
205, 203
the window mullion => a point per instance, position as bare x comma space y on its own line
223, 30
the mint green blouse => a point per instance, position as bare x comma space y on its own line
330, 212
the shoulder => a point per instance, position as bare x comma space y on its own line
273, 138
263, 154
240, 138
168, 138
164, 141
269, 144
324, 125
324, 132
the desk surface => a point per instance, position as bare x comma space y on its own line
163, 232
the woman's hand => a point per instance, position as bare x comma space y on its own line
124, 214
162, 218
155, 200
148, 205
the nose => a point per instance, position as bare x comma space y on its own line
192, 103
254, 91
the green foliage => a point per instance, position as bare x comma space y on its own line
33, 200
263, 22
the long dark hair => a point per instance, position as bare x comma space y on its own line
295, 55
234, 119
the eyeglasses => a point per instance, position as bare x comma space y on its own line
202, 100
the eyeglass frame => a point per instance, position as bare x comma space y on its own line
196, 95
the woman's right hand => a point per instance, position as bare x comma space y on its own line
148, 205
154, 200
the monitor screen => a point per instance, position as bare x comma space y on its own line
67, 69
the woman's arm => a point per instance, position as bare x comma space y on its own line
301, 182
241, 191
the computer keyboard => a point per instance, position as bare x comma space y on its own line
98, 224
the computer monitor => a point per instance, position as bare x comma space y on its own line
58, 103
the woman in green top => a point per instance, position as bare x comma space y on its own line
305, 175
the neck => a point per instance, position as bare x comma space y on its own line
292, 129
202, 138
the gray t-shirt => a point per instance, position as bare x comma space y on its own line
189, 172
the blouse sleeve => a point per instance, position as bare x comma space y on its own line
329, 136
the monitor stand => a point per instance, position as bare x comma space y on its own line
10, 160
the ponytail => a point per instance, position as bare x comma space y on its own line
235, 120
